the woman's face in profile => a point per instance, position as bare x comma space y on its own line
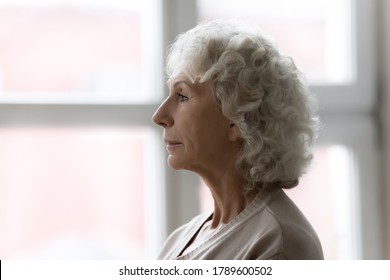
195, 131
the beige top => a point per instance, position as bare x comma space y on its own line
271, 227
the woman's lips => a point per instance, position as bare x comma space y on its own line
173, 145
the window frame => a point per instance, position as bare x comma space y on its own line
172, 195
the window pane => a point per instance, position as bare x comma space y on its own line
326, 197
76, 50
317, 34
73, 192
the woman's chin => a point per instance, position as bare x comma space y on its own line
175, 163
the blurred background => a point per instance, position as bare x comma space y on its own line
83, 170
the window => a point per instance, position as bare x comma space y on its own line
78, 51
80, 173
83, 169
305, 30
68, 184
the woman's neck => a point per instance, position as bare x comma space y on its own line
229, 199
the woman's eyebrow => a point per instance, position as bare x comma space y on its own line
178, 83
181, 82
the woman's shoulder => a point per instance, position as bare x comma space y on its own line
290, 228
285, 214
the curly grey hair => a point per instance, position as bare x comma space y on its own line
259, 90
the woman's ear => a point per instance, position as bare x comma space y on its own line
234, 132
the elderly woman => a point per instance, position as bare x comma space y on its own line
238, 115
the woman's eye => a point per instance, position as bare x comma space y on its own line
182, 98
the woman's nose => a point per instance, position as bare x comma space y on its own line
162, 115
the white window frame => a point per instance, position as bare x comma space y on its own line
172, 196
